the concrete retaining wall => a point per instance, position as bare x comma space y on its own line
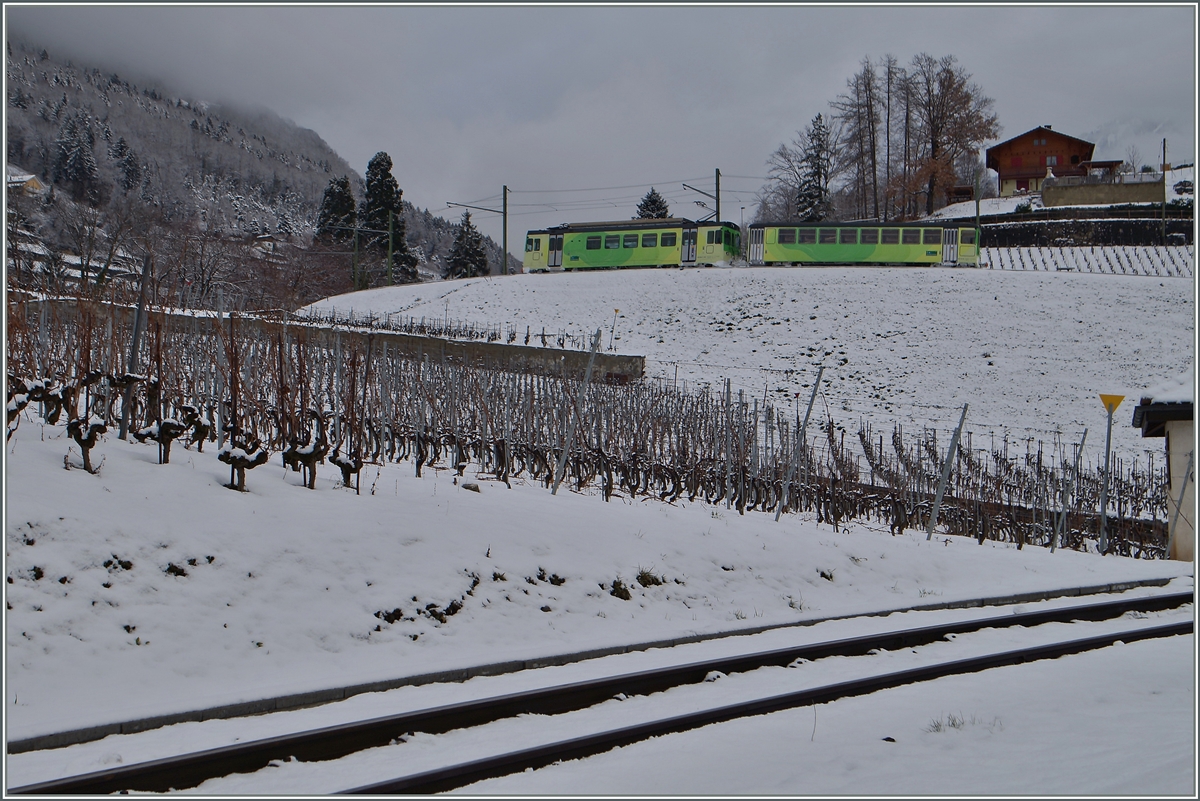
1103, 193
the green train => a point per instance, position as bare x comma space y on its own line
861, 243
670, 242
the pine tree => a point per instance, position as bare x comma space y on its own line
812, 200
468, 259
74, 159
653, 207
381, 200
337, 217
382, 213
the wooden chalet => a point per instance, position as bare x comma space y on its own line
1024, 161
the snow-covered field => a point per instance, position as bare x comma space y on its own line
150, 589
1028, 351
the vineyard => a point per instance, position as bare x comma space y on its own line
312, 397
1163, 262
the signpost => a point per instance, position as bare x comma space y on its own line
1111, 402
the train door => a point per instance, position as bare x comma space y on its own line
554, 254
756, 245
949, 246
687, 254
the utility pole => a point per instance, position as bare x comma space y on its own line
503, 211
354, 262
1164, 198
391, 230
719, 194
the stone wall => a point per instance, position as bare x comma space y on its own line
1085, 194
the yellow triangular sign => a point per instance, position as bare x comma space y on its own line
1111, 402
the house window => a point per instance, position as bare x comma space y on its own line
912, 236
806, 236
870, 236
649, 240
630, 241
593, 243
1051, 161
1074, 159
889, 236
827, 236
668, 240
787, 236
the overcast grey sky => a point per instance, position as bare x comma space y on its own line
466, 100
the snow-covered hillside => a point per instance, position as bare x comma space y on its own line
1028, 351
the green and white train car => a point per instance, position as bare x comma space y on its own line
670, 242
802, 244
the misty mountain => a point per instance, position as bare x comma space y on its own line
227, 171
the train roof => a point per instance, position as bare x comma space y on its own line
638, 223
858, 224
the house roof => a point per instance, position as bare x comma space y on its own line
1165, 402
1036, 130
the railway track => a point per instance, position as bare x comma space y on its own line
189, 770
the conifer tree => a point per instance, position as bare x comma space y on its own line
653, 207
468, 259
382, 214
812, 200
74, 158
337, 217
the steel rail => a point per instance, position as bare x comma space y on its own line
189, 770
454, 776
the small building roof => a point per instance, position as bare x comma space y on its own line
1165, 402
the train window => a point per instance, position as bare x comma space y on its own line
889, 236
537, 244
933, 236
787, 236
528, 244
649, 240
967, 236
668, 239
828, 236
848, 236
912, 236
870, 236
593, 243
629, 241
728, 235
806, 236
612, 241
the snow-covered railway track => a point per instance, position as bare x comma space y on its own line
335, 742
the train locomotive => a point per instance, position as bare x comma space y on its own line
669, 242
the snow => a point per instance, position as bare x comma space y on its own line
233, 597
1029, 351
1181, 389
152, 589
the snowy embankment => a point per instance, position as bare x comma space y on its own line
151, 589
1028, 351
1176, 261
